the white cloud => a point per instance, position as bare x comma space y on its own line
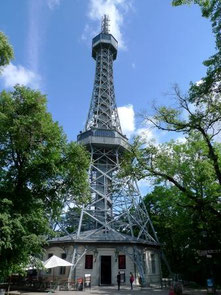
34, 34
53, 3
181, 139
146, 134
133, 65
88, 31
115, 9
13, 75
127, 119
198, 83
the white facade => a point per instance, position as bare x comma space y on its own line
105, 262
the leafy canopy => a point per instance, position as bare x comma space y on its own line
6, 51
40, 172
186, 177
185, 201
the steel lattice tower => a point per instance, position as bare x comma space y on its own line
103, 111
116, 211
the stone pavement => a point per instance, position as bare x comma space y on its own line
124, 291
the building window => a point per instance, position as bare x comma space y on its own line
121, 261
88, 261
153, 263
62, 268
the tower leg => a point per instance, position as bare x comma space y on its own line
73, 260
76, 257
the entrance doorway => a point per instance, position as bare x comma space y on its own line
105, 270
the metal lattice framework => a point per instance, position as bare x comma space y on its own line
103, 111
116, 211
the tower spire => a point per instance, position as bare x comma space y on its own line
105, 24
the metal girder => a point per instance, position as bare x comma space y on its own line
103, 111
116, 204
137, 257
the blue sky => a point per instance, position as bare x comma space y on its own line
159, 45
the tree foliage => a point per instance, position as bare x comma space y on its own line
69, 221
203, 3
201, 117
183, 235
39, 173
6, 51
184, 166
185, 202
186, 177
190, 173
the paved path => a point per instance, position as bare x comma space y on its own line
124, 291
106, 291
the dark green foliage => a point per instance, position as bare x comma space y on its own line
185, 202
6, 51
39, 173
203, 3
69, 222
185, 235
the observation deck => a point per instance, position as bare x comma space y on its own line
104, 138
104, 40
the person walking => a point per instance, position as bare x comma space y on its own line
118, 280
131, 280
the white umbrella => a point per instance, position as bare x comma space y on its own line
55, 261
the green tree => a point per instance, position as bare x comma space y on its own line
69, 221
201, 117
175, 228
40, 172
184, 166
186, 177
185, 201
205, 4
179, 228
6, 51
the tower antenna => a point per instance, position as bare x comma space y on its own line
105, 24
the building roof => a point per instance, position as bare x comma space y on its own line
101, 236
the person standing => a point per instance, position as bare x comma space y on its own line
131, 280
118, 280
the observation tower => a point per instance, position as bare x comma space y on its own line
114, 232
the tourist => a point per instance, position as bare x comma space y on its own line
131, 280
118, 280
